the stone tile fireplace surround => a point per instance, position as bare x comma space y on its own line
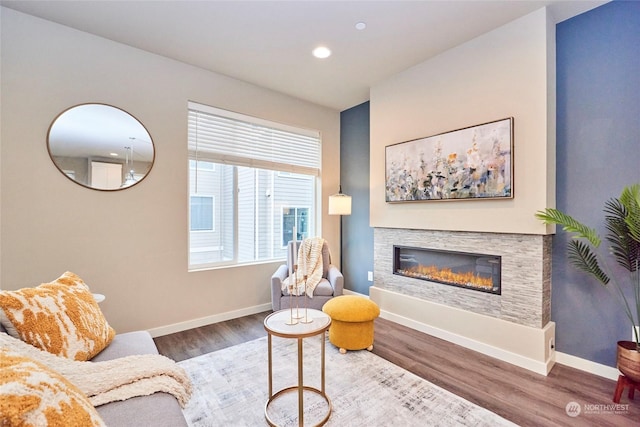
514, 326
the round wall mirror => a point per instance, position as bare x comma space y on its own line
100, 146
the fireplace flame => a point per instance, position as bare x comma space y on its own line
445, 275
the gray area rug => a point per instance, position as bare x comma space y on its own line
231, 389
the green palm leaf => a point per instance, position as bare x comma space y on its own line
624, 248
583, 258
630, 199
622, 221
569, 224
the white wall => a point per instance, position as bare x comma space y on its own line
129, 245
508, 72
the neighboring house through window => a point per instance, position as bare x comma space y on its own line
250, 181
202, 213
294, 216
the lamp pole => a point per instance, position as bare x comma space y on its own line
340, 204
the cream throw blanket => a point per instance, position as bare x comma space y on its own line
310, 268
112, 380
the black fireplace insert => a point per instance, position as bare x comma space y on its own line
480, 272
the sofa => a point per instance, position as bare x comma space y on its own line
61, 373
158, 409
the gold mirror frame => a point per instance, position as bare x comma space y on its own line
100, 147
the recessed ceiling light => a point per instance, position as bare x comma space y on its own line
361, 25
321, 52
113, 154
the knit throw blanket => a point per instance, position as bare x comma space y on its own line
112, 380
310, 268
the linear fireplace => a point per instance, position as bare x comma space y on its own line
475, 271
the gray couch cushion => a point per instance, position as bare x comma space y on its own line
127, 344
158, 410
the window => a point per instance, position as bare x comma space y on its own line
250, 181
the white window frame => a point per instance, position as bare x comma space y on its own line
293, 160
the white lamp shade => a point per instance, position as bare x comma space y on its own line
340, 204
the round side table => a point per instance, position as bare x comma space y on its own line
281, 324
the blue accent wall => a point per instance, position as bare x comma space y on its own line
598, 154
357, 235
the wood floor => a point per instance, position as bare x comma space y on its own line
526, 398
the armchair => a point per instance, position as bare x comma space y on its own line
331, 285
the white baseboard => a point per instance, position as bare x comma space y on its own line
525, 346
515, 359
208, 320
562, 358
348, 292
587, 366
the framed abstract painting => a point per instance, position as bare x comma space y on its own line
475, 163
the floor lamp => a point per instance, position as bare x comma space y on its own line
340, 204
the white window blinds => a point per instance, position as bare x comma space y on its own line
221, 136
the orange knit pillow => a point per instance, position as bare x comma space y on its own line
60, 317
31, 394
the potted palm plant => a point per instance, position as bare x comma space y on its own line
622, 221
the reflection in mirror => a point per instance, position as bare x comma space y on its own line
100, 146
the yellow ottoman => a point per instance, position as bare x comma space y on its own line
351, 322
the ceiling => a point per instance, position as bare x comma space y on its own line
269, 43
